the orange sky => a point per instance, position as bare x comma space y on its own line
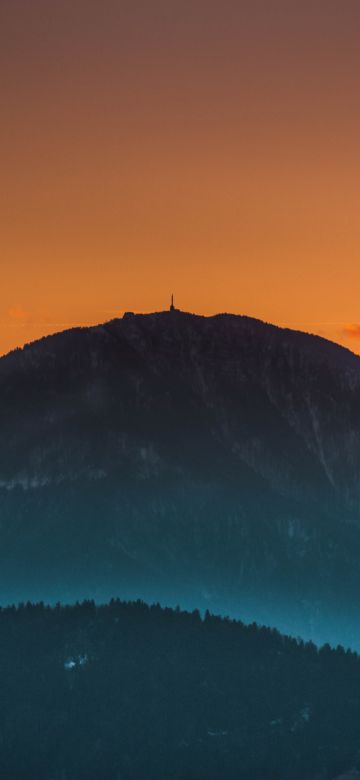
203, 147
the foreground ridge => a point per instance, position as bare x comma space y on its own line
138, 691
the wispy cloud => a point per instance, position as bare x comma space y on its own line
352, 329
19, 314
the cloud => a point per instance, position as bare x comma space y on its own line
19, 314
352, 329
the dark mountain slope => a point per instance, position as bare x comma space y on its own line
206, 461
130, 691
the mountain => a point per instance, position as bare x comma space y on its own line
132, 692
205, 461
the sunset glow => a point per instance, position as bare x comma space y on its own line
205, 148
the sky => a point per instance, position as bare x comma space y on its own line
206, 148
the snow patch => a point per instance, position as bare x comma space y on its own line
75, 661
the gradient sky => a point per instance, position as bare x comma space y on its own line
201, 147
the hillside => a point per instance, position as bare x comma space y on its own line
211, 462
133, 691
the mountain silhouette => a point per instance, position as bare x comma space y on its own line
206, 461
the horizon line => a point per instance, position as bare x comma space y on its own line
74, 324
